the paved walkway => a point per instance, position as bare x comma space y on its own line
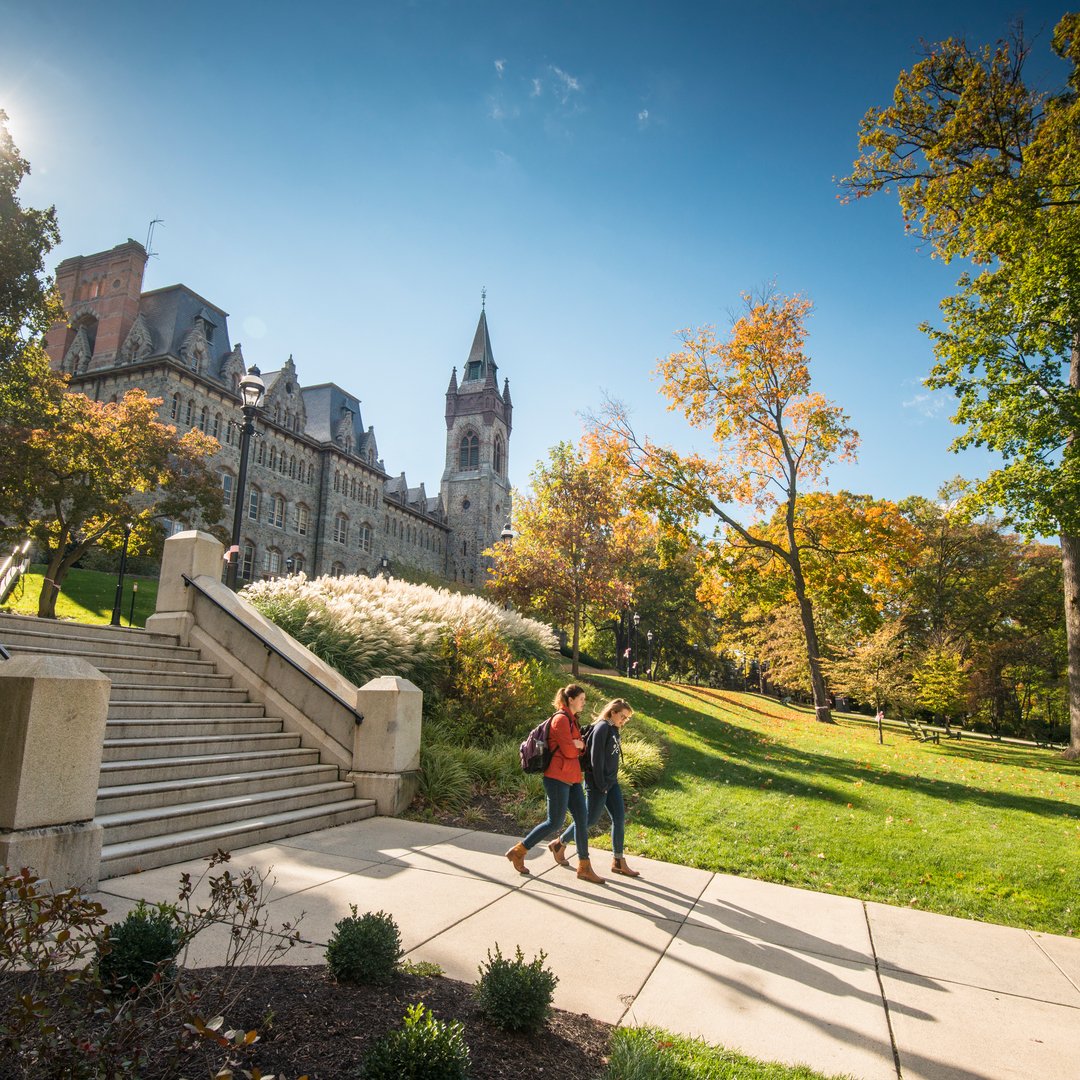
844, 986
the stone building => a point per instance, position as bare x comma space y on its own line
318, 495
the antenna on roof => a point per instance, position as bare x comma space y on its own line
483, 297
150, 237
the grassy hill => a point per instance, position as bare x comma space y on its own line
975, 829
87, 596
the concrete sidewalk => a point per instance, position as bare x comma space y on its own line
783, 974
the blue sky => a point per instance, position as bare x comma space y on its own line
343, 179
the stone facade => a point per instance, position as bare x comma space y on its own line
318, 496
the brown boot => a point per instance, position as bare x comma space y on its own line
517, 856
557, 848
585, 872
618, 866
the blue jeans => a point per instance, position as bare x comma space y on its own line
599, 801
561, 797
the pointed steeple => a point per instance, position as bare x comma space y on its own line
481, 360
453, 382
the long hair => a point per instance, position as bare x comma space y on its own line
564, 694
615, 705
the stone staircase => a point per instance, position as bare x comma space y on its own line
190, 764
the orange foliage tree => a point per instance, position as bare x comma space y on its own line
773, 438
100, 465
573, 536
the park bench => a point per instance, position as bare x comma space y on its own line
919, 732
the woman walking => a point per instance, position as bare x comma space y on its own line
602, 784
562, 785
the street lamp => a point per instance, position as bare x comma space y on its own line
649, 636
384, 567
120, 577
633, 641
252, 389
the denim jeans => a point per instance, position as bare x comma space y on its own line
561, 797
599, 801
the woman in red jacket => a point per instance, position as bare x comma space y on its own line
562, 785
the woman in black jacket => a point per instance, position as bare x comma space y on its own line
601, 765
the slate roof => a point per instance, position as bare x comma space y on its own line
323, 404
171, 312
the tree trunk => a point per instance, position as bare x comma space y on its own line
822, 711
1070, 565
575, 667
50, 587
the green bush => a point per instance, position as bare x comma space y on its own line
444, 781
143, 945
424, 1049
514, 994
364, 948
641, 763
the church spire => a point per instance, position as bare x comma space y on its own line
481, 359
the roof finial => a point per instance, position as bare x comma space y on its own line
483, 297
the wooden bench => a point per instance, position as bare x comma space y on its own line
919, 732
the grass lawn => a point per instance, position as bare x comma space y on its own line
975, 829
87, 596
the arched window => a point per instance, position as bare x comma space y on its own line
337, 570
254, 496
469, 451
364, 539
216, 429
247, 564
271, 561
175, 411
498, 459
189, 412
204, 419
277, 511
297, 563
260, 457
228, 487
292, 467
341, 529
273, 458
303, 519
337, 480
310, 473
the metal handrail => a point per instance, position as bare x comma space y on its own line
272, 648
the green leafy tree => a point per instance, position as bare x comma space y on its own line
940, 683
569, 551
773, 438
29, 391
986, 170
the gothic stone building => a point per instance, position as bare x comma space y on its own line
318, 496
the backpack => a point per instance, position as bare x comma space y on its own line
535, 753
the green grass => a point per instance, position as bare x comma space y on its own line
86, 596
653, 1054
975, 829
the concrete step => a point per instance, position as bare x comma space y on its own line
66, 628
134, 855
113, 653
151, 770
162, 710
187, 727
121, 797
128, 825
182, 746
228, 694
193, 674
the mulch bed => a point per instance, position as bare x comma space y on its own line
310, 1025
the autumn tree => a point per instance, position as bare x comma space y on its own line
102, 465
986, 170
29, 391
569, 545
773, 438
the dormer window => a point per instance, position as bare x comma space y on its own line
474, 369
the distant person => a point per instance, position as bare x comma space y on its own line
562, 785
602, 784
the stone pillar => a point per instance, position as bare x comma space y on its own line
193, 553
386, 746
52, 725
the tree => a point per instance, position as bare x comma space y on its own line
571, 534
877, 670
103, 465
29, 391
773, 436
940, 683
987, 169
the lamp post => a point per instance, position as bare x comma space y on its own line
384, 567
131, 610
115, 621
252, 389
649, 637
633, 641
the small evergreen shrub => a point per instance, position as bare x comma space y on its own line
424, 1049
514, 994
364, 948
144, 943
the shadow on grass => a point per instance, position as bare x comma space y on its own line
759, 761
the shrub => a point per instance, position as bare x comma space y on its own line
444, 781
140, 947
424, 1049
514, 994
641, 762
364, 948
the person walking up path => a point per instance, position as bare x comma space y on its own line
562, 785
601, 765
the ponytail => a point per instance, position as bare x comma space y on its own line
564, 694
